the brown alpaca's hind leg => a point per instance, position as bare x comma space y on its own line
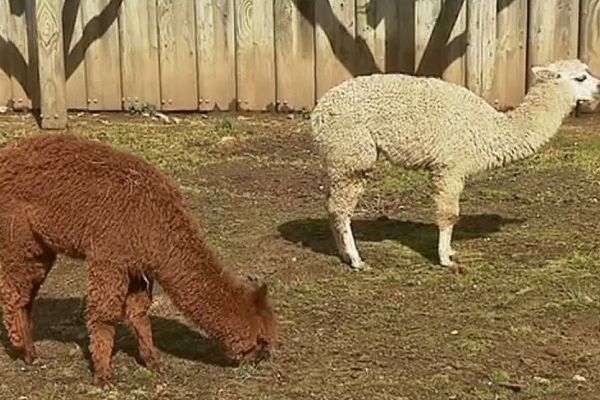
25, 264
139, 299
107, 290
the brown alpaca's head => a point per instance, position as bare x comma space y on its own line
263, 327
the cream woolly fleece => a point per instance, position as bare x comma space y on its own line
428, 123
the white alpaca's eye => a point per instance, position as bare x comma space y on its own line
581, 78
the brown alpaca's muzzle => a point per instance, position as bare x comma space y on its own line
264, 353
261, 352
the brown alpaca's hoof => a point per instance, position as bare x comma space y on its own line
30, 357
153, 365
102, 380
102, 377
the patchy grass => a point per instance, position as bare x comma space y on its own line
579, 150
519, 323
395, 180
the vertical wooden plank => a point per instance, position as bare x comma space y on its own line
294, 54
51, 66
428, 52
511, 54
395, 35
139, 53
32, 68
178, 63
335, 45
455, 58
74, 66
590, 42
255, 69
22, 75
102, 58
5, 83
553, 31
368, 60
216, 54
481, 52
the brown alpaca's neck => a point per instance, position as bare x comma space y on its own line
207, 294
540, 115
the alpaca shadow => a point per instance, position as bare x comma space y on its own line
63, 320
420, 237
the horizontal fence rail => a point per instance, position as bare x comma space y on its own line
185, 55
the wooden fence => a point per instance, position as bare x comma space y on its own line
274, 54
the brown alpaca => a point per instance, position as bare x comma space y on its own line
68, 195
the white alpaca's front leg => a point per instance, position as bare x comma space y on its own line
445, 247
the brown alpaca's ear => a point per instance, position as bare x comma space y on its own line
260, 295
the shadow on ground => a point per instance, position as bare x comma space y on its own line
63, 320
314, 233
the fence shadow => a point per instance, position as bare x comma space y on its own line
63, 320
354, 52
25, 72
398, 19
422, 238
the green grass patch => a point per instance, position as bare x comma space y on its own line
475, 347
580, 152
394, 180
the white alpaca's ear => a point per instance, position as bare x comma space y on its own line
544, 73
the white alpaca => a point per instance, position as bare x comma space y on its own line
426, 123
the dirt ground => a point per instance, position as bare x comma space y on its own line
522, 323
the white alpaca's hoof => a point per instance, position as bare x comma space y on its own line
452, 252
447, 263
360, 266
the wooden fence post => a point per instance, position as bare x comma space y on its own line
589, 42
51, 64
481, 49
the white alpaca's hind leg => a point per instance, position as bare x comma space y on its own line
452, 252
342, 199
447, 201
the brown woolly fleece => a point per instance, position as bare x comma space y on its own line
69, 195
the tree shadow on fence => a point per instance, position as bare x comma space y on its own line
14, 64
63, 320
399, 18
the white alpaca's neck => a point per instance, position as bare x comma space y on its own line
540, 115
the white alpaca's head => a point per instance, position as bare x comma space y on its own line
574, 73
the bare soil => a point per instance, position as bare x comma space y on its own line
522, 322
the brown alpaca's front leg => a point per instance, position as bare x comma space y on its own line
20, 284
107, 288
139, 299
102, 338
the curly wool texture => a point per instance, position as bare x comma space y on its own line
431, 124
65, 194
423, 123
